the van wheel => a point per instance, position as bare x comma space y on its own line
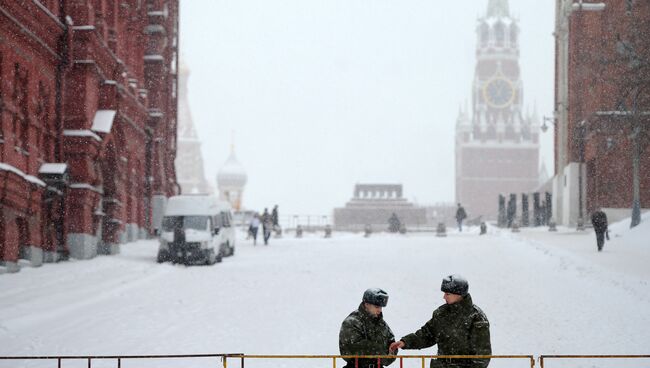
232, 250
211, 258
219, 257
229, 250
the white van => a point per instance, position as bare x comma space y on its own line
196, 229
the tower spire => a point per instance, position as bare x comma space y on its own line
232, 141
498, 8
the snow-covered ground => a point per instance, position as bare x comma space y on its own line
544, 293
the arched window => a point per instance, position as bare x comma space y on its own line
19, 97
2, 102
499, 34
484, 34
513, 36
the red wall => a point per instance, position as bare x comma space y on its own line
597, 82
55, 76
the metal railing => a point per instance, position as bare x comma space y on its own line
234, 358
240, 359
399, 358
118, 358
542, 358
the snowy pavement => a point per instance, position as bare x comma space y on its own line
544, 293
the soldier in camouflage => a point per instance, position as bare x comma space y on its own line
364, 332
458, 327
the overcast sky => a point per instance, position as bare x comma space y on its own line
325, 94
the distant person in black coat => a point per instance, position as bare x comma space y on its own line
267, 225
460, 216
599, 220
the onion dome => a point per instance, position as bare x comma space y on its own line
232, 174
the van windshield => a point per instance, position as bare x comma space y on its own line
186, 222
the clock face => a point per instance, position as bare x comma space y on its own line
499, 92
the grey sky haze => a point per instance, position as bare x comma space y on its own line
325, 94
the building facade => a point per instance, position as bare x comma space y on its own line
189, 159
374, 204
87, 125
497, 145
602, 109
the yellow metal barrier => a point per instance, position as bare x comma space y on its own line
400, 358
546, 357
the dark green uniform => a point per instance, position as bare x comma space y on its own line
363, 334
458, 329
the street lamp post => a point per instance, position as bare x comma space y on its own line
550, 119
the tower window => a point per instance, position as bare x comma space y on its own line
513, 36
484, 34
499, 34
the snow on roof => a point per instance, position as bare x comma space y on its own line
53, 168
154, 57
194, 205
103, 121
30, 178
81, 133
84, 28
86, 186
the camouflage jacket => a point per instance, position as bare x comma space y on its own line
458, 329
363, 334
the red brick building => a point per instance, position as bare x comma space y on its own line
87, 124
607, 85
497, 146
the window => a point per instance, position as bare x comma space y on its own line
484, 34
499, 34
170, 223
225, 219
513, 36
45, 138
19, 97
1, 107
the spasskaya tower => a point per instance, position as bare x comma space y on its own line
497, 146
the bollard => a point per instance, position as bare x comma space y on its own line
278, 232
328, 231
581, 224
367, 231
483, 228
299, 231
515, 227
402, 229
441, 230
551, 225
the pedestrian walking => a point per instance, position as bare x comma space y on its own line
599, 221
267, 225
254, 227
365, 332
460, 216
458, 327
275, 218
